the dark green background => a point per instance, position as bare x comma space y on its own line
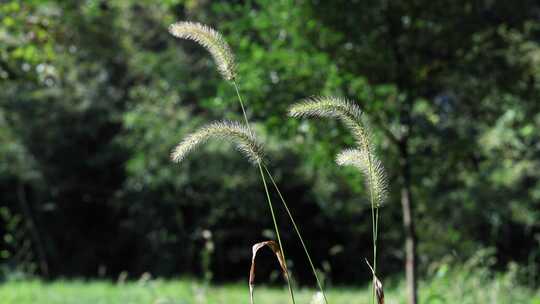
95, 94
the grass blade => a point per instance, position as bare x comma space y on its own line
297, 230
379, 292
279, 255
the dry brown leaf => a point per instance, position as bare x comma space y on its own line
275, 248
379, 292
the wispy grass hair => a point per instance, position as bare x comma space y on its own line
239, 135
363, 157
372, 169
210, 39
345, 110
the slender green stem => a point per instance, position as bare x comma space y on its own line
297, 233
374, 228
288, 277
242, 106
374, 214
374, 232
375, 238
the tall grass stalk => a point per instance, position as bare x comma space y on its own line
363, 158
297, 233
214, 42
313, 269
276, 229
287, 275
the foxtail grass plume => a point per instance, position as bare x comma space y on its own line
335, 107
372, 169
351, 115
210, 39
234, 132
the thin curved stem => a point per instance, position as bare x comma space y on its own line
242, 106
288, 277
297, 233
374, 231
374, 209
375, 238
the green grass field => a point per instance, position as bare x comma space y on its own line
443, 287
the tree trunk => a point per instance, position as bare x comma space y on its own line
408, 224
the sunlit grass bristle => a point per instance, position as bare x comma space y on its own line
210, 39
348, 112
239, 135
375, 176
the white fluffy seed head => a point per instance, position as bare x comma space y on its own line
348, 112
326, 106
234, 132
371, 168
210, 39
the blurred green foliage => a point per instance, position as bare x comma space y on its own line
94, 95
476, 283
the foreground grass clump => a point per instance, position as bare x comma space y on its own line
445, 286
